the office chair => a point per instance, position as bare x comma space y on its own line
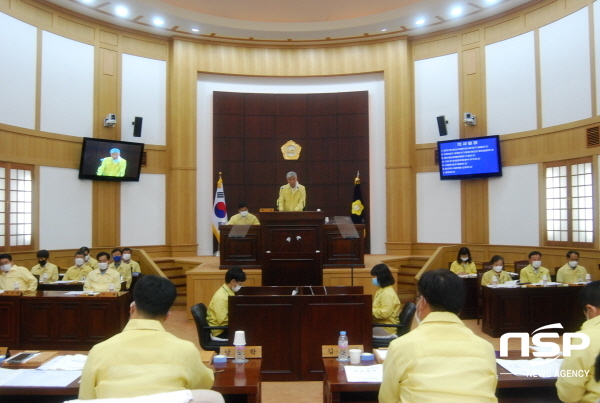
406, 317
199, 314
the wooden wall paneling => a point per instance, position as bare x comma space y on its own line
475, 222
74, 29
228, 103
108, 94
144, 48
109, 38
544, 15
4, 4
106, 214
471, 92
35, 14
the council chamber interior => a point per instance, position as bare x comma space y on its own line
215, 106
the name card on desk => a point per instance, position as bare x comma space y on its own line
11, 293
250, 351
108, 294
332, 351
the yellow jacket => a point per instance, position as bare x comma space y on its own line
20, 275
75, 273
98, 282
50, 270
566, 274
528, 274
463, 267
142, 360
440, 361
488, 277
110, 168
218, 310
582, 388
291, 200
237, 219
386, 308
124, 270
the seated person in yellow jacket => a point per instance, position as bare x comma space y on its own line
90, 261
386, 305
46, 271
101, 279
463, 263
144, 359
135, 266
218, 308
80, 271
123, 268
577, 381
292, 197
13, 277
497, 271
534, 272
243, 217
113, 165
571, 272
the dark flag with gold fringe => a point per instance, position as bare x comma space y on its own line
358, 208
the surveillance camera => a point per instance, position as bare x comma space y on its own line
470, 119
110, 120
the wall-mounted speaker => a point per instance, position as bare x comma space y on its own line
137, 127
441, 121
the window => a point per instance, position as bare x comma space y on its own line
570, 203
16, 211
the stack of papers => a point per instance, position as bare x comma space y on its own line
359, 373
81, 292
467, 275
65, 363
540, 367
35, 378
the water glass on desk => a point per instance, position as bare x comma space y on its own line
16, 286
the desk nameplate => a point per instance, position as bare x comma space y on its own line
332, 351
250, 351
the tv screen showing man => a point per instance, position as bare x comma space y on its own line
113, 165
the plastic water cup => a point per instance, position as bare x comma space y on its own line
111, 287
355, 355
239, 338
16, 286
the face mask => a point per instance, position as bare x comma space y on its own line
126, 256
417, 318
117, 259
573, 264
536, 264
237, 288
5, 267
497, 269
42, 263
87, 257
78, 261
243, 213
375, 282
464, 259
103, 266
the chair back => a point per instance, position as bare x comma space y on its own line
519, 265
199, 312
135, 276
406, 317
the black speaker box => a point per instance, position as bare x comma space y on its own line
137, 127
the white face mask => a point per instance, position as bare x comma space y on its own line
237, 288
79, 261
497, 269
536, 264
243, 213
87, 257
464, 259
573, 264
103, 266
5, 267
126, 256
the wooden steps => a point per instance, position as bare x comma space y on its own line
177, 276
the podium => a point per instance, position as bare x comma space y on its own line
292, 244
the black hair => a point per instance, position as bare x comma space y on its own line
116, 250
5, 256
464, 251
242, 205
443, 290
535, 252
235, 273
569, 253
597, 369
590, 295
43, 253
124, 249
495, 258
85, 249
102, 254
154, 295
79, 252
383, 274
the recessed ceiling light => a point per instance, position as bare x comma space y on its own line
87, 1
158, 21
195, 30
456, 11
121, 11
384, 29
420, 22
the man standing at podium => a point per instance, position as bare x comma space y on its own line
292, 197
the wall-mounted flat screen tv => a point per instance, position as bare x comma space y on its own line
476, 157
110, 160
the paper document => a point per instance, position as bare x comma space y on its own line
372, 373
540, 367
65, 363
35, 378
382, 353
7, 374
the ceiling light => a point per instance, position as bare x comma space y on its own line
456, 11
158, 21
420, 22
86, 1
384, 29
121, 11
195, 30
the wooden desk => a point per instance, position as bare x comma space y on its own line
469, 310
52, 320
77, 286
292, 329
526, 309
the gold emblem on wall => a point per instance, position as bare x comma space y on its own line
291, 150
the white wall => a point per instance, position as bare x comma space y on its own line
144, 94
18, 64
596, 13
143, 211
65, 209
438, 209
514, 211
565, 70
436, 94
510, 85
67, 104
373, 83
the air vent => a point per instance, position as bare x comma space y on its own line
593, 136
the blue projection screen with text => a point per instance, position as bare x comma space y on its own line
471, 158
